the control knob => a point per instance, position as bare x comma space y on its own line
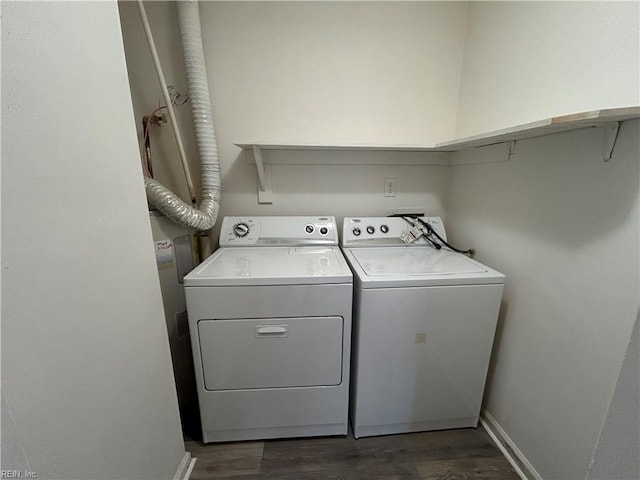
324, 230
384, 228
356, 231
241, 229
370, 230
309, 228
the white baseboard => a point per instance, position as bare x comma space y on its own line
509, 449
185, 467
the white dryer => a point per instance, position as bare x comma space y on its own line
270, 322
423, 327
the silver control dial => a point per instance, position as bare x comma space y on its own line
370, 230
356, 232
324, 230
384, 228
241, 229
309, 228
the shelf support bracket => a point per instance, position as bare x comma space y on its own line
265, 192
511, 149
611, 130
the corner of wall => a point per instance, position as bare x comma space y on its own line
617, 451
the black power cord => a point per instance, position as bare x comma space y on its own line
431, 231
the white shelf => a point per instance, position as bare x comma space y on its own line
344, 146
548, 126
608, 119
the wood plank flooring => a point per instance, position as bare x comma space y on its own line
463, 454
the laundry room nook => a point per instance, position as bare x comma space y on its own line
284, 239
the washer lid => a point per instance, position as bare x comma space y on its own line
271, 266
398, 266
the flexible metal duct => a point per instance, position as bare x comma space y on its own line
160, 196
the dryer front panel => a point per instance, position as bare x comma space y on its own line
239, 354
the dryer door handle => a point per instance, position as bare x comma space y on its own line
263, 331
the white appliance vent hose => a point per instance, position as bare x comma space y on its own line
160, 196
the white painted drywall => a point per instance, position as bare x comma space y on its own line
617, 454
341, 72
564, 227
525, 61
87, 384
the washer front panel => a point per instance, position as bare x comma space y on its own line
421, 357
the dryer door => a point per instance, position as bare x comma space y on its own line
271, 353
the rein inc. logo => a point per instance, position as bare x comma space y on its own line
18, 474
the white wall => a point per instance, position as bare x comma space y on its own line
525, 61
564, 227
86, 375
333, 72
343, 72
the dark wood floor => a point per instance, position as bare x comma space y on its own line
444, 455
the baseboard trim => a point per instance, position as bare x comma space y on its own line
512, 453
185, 468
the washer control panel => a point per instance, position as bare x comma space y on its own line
278, 231
383, 231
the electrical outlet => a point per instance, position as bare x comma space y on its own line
389, 187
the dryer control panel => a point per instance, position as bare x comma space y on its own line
384, 231
274, 231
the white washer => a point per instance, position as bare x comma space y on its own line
423, 327
270, 322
